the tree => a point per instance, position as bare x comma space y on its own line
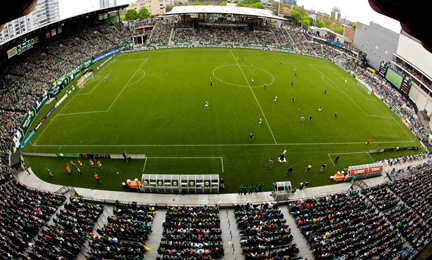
305, 21
197, 3
222, 3
143, 13
241, 4
287, 6
168, 8
354, 27
260, 6
276, 7
131, 14
321, 23
208, 3
295, 14
301, 10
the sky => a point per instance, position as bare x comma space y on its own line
352, 10
355, 11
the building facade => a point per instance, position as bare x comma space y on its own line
155, 7
45, 12
107, 3
379, 43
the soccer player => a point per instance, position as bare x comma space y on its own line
270, 163
243, 58
206, 105
252, 80
211, 83
260, 120
265, 85
292, 100
280, 63
295, 74
309, 167
292, 83
97, 178
251, 137
105, 79
337, 158
80, 163
345, 81
68, 169
79, 172
100, 165
325, 91
91, 163
274, 101
73, 164
294, 69
49, 171
310, 117
335, 114
368, 142
302, 119
319, 109
290, 169
252, 64
323, 166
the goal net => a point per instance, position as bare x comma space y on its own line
363, 85
83, 80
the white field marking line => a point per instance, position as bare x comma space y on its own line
370, 157
72, 99
331, 159
91, 112
127, 84
361, 92
351, 153
96, 85
145, 162
404, 128
184, 158
139, 79
57, 115
349, 96
126, 60
240, 86
254, 96
208, 145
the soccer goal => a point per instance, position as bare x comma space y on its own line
362, 84
83, 80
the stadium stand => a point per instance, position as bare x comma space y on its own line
264, 232
191, 232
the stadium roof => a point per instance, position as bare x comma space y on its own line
219, 9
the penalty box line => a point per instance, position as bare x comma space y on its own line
104, 111
349, 153
274, 139
221, 158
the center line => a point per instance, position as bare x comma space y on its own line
254, 97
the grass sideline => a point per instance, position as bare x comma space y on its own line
153, 104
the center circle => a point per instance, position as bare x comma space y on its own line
259, 75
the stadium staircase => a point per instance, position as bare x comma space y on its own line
292, 40
230, 234
171, 37
275, 38
156, 235
298, 238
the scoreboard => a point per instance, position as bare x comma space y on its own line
23, 47
406, 85
27, 45
401, 82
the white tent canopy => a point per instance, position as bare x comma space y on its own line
216, 9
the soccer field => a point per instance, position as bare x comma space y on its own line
153, 103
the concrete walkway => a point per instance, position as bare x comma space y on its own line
33, 181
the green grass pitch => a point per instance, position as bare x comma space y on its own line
153, 104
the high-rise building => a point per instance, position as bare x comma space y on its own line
107, 3
45, 12
290, 2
